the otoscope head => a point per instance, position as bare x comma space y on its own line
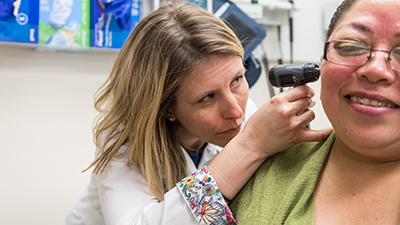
293, 74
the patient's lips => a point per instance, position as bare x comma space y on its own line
370, 102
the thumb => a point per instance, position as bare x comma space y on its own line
317, 135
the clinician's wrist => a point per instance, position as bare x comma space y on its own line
250, 148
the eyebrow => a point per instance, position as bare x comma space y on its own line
362, 27
207, 92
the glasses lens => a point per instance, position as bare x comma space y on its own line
395, 58
348, 53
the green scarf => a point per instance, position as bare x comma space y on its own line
281, 191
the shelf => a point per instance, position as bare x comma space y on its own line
46, 48
267, 12
270, 4
276, 4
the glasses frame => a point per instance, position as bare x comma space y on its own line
388, 58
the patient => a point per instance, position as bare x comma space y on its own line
353, 177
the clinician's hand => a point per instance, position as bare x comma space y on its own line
279, 124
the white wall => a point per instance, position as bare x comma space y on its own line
46, 102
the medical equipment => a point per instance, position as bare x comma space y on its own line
250, 33
293, 74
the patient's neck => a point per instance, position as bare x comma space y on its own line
355, 188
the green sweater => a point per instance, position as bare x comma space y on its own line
281, 191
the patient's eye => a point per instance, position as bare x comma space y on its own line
350, 48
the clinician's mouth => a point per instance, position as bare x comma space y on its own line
233, 131
370, 102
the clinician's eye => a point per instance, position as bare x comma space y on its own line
207, 98
237, 80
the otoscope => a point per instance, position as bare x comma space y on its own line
293, 74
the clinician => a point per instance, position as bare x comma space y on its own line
176, 95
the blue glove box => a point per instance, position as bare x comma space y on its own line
19, 21
112, 21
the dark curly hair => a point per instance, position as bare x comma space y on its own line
341, 9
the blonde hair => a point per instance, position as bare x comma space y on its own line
164, 48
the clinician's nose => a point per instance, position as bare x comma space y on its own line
377, 69
231, 107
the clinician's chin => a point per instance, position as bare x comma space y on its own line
224, 141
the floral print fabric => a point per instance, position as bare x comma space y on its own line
205, 200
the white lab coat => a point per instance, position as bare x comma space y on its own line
120, 195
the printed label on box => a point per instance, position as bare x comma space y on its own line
19, 21
64, 23
112, 21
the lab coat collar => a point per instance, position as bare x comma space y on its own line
209, 153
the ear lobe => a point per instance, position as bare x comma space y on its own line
170, 115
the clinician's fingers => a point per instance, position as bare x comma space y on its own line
299, 92
303, 105
315, 135
305, 117
299, 99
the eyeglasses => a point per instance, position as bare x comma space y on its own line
357, 54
